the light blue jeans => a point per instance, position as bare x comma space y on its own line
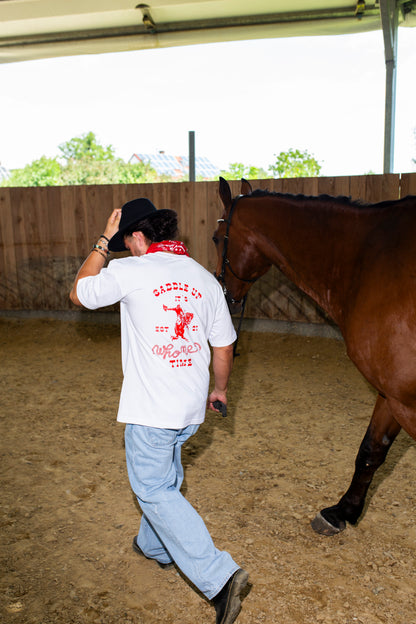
170, 528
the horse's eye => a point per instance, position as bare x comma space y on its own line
215, 239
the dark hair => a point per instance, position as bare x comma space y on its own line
157, 227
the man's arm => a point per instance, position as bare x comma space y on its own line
95, 261
222, 364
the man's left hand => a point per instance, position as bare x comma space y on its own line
112, 224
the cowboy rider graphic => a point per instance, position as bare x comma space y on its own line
183, 320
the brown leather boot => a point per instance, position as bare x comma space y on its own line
227, 602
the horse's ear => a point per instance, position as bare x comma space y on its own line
245, 187
225, 193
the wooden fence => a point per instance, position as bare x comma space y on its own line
45, 234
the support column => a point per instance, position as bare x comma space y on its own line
390, 19
191, 156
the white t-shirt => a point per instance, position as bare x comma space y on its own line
170, 308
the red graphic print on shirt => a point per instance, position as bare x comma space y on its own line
183, 320
180, 350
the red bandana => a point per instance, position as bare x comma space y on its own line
175, 247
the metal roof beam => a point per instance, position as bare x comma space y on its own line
190, 25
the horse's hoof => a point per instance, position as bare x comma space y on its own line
322, 526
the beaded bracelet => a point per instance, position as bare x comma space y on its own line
104, 249
101, 254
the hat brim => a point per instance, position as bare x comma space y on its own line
116, 242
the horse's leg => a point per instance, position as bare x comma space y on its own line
380, 435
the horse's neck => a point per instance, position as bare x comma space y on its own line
316, 247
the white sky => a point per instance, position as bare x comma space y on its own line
246, 102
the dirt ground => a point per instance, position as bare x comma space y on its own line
297, 412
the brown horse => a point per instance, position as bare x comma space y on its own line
358, 262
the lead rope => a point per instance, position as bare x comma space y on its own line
243, 305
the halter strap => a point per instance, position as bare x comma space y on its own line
225, 260
226, 263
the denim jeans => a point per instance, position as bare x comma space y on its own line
170, 528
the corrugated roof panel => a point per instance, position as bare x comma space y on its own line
177, 166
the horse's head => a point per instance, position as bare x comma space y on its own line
240, 263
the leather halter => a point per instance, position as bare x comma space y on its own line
225, 264
225, 261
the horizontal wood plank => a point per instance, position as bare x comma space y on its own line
47, 232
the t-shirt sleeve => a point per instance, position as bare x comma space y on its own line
98, 291
222, 331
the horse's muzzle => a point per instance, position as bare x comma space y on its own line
234, 306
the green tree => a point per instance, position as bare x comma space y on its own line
89, 162
236, 171
295, 164
82, 160
133, 173
85, 171
86, 148
42, 172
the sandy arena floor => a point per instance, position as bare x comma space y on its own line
298, 410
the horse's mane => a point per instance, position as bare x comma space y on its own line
335, 201
341, 200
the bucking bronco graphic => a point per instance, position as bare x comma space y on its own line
183, 320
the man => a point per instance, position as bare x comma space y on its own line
171, 309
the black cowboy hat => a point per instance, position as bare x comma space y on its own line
131, 213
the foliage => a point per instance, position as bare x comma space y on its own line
82, 160
295, 164
132, 173
237, 171
86, 148
291, 164
42, 172
106, 172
